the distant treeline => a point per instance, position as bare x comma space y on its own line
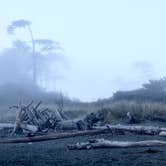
153, 91
13, 93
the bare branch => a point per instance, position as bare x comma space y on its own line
36, 107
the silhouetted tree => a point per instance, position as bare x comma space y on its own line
156, 85
154, 90
25, 24
42, 49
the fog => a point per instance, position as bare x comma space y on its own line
101, 46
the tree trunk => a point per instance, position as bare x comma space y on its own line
33, 56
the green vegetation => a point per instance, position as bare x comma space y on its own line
142, 111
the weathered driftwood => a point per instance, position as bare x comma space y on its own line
144, 130
101, 130
102, 143
17, 125
47, 119
29, 128
26, 127
32, 115
66, 125
4, 126
52, 136
162, 133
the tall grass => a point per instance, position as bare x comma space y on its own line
140, 110
113, 112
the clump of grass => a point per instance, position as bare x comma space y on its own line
142, 111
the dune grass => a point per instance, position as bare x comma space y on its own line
117, 111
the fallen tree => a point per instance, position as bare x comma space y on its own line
102, 143
30, 118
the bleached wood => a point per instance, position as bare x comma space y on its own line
102, 143
144, 130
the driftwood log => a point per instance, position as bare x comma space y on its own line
102, 143
45, 119
4, 126
33, 119
142, 130
113, 129
26, 127
52, 136
99, 130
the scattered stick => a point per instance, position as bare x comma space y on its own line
36, 107
17, 125
29, 104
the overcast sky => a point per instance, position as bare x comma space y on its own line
109, 44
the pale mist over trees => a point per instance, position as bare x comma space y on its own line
29, 61
31, 64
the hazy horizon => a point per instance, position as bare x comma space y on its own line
108, 45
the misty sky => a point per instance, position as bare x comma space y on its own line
109, 44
